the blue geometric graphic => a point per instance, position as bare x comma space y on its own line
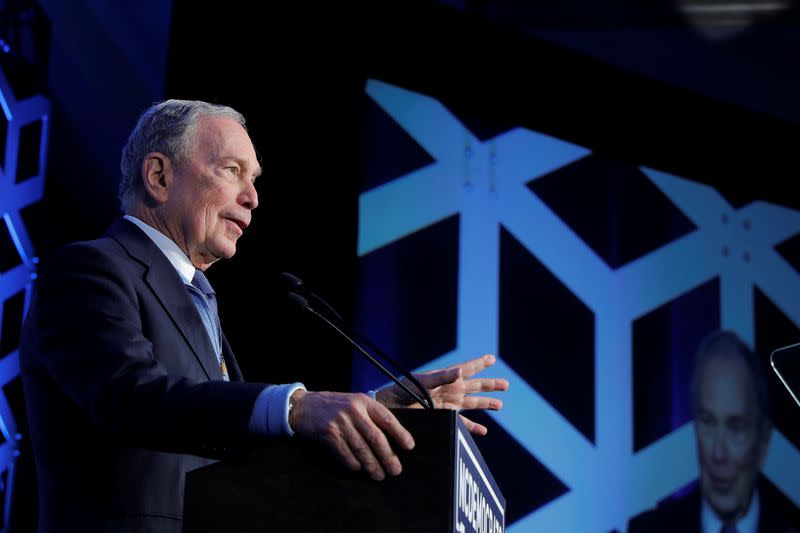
16, 193
485, 183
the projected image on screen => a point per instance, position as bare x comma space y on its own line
594, 282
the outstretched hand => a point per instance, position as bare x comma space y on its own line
452, 388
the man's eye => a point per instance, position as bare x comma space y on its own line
737, 426
705, 420
235, 170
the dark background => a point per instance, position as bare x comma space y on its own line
298, 75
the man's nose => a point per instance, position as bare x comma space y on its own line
249, 196
719, 447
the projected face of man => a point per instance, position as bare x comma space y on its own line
732, 436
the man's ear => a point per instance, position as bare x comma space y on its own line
156, 169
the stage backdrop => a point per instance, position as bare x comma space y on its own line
591, 279
457, 189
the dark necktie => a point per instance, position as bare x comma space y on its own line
728, 528
201, 283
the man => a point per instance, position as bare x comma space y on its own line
730, 406
129, 380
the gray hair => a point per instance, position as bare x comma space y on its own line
727, 344
168, 127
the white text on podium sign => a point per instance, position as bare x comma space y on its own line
478, 507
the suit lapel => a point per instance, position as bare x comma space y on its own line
168, 288
178, 304
776, 512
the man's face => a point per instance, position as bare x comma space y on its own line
211, 195
731, 438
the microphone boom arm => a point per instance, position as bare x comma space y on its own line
426, 402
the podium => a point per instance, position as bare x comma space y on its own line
295, 485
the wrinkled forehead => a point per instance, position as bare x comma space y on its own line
219, 133
222, 137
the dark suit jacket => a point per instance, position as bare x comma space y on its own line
776, 514
122, 387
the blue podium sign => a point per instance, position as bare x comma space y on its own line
479, 506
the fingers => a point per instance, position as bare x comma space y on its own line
394, 396
485, 385
466, 370
437, 378
449, 388
342, 449
372, 451
481, 402
357, 429
473, 366
389, 424
371, 445
473, 427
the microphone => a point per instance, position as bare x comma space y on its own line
294, 286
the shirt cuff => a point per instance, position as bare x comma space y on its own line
271, 411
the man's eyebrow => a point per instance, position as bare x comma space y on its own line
738, 417
243, 163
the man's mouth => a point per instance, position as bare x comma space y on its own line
240, 223
721, 483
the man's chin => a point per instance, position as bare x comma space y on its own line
211, 256
724, 505
226, 250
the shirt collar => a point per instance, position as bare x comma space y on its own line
747, 524
172, 251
